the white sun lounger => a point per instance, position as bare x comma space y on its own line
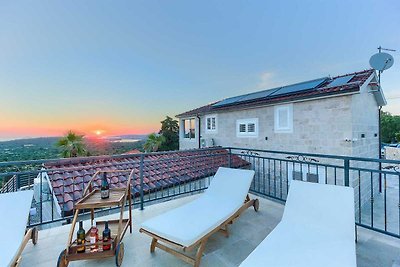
317, 229
14, 207
190, 225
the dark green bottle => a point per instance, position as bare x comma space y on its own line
106, 237
105, 187
80, 240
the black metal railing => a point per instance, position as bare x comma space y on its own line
58, 184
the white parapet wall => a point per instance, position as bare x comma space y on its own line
392, 153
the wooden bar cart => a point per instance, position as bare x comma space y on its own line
92, 200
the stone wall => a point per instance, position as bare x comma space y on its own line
319, 126
365, 143
344, 125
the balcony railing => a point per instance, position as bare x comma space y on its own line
58, 184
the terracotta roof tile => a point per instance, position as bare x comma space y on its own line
70, 177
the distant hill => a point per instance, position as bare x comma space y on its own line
35, 141
45, 148
29, 149
129, 136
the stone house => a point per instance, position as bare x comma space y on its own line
330, 115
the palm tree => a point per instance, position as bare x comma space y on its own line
71, 145
153, 142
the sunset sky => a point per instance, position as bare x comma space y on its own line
122, 66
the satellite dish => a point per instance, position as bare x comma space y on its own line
381, 61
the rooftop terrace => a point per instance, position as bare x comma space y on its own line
160, 177
373, 249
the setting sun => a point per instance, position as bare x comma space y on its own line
99, 132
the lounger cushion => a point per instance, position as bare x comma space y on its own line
189, 223
15, 209
317, 229
328, 206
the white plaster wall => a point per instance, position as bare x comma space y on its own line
392, 153
185, 143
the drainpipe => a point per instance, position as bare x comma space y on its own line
379, 147
198, 138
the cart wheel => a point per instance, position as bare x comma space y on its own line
62, 261
256, 204
35, 235
119, 254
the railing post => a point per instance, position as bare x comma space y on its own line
141, 180
41, 197
18, 183
346, 172
229, 157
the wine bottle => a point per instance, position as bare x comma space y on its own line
94, 236
106, 237
105, 187
80, 239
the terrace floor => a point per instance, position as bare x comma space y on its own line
246, 233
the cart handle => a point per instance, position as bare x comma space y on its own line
89, 188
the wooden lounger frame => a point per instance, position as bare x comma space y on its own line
174, 247
31, 233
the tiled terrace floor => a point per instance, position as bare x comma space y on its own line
245, 234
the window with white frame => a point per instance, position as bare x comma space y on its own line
189, 128
283, 119
247, 127
211, 124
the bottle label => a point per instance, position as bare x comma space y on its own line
105, 193
92, 239
106, 246
81, 242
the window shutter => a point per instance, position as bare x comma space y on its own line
251, 127
242, 128
208, 123
283, 118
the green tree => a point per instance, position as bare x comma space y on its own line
71, 145
397, 136
390, 126
153, 142
170, 131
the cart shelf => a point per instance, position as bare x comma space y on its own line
92, 200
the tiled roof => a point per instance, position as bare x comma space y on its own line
69, 177
134, 151
322, 90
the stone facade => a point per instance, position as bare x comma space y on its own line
328, 126
345, 125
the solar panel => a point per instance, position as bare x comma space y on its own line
341, 80
227, 101
298, 87
272, 92
247, 97
257, 95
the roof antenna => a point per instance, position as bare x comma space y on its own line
381, 61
